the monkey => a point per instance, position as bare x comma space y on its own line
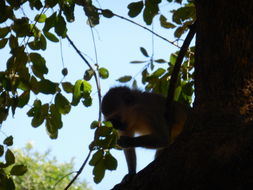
132, 112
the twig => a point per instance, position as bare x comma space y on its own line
79, 171
176, 69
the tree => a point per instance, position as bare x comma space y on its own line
44, 173
217, 140
215, 152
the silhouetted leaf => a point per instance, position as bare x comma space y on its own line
62, 104
18, 170
124, 79
8, 141
135, 8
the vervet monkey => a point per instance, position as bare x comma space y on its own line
135, 112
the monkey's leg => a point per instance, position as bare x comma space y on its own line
147, 141
131, 160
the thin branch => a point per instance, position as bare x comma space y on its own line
154, 33
176, 69
98, 83
79, 171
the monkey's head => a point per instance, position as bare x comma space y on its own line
115, 101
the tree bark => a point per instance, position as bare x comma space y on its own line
215, 150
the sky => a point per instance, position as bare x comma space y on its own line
117, 43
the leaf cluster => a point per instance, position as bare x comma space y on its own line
9, 168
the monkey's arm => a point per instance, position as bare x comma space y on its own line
147, 141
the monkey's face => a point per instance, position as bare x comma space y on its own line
115, 103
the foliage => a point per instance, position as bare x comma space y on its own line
44, 173
26, 70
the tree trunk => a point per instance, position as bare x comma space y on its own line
216, 149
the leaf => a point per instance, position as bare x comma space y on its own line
160, 61
77, 94
151, 10
158, 72
107, 13
103, 73
39, 67
173, 58
50, 22
110, 162
40, 18
1, 150
4, 31
23, 99
18, 170
89, 73
8, 141
67, 87
60, 26
164, 23
62, 104
51, 36
96, 157
137, 62
144, 51
94, 125
13, 42
125, 79
135, 8
87, 101
9, 157
47, 87
99, 171
3, 43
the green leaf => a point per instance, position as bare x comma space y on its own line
137, 62
151, 10
4, 31
96, 157
9, 157
51, 3
135, 8
99, 171
62, 104
23, 99
184, 13
144, 51
3, 43
67, 87
40, 18
51, 36
18, 170
39, 113
107, 124
47, 87
173, 58
160, 61
125, 79
103, 73
39, 67
94, 125
60, 26
87, 101
178, 91
13, 42
107, 13
164, 23
110, 162
77, 94
1, 150
50, 22
158, 72
8, 141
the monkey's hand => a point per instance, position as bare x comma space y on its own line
124, 141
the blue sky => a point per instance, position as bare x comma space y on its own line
117, 43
